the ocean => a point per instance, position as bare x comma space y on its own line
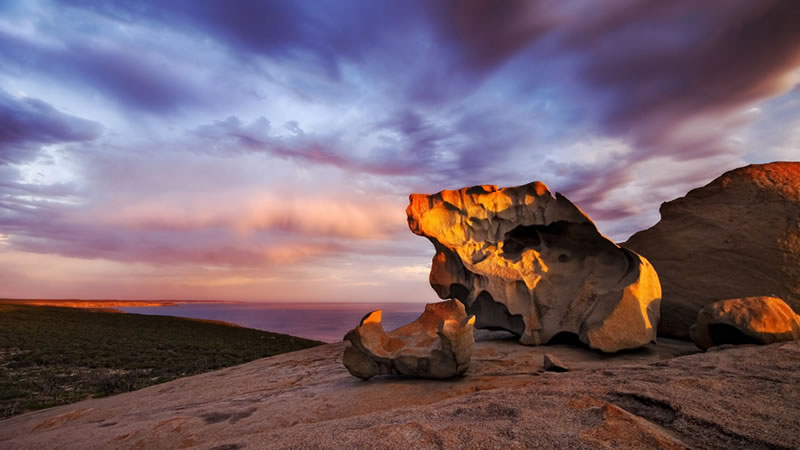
327, 322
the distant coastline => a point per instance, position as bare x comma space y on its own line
79, 303
320, 321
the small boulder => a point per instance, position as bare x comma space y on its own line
553, 364
749, 320
436, 345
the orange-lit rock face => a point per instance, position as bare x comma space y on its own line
749, 320
526, 261
436, 345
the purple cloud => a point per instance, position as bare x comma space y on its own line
647, 68
237, 134
136, 78
27, 124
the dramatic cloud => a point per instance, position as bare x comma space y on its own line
266, 149
649, 65
461, 147
729, 58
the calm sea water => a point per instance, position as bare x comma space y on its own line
327, 322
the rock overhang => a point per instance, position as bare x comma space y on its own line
530, 262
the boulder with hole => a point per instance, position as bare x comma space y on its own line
524, 260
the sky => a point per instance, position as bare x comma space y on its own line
265, 150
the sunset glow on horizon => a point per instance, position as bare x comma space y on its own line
266, 150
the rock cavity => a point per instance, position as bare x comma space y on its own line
523, 260
749, 320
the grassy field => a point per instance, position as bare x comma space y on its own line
51, 356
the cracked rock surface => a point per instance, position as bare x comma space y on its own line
526, 261
436, 345
743, 397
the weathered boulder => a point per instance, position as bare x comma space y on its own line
436, 345
749, 320
738, 236
523, 260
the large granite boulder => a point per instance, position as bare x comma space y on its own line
523, 260
750, 320
738, 236
436, 345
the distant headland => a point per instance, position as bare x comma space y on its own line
80, 303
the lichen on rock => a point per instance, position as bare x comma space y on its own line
436, 345
526, 261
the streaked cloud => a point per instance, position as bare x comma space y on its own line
266, 149
27, 124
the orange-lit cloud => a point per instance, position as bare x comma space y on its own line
247, 212
25, 274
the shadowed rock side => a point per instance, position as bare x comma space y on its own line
751, 320
738, 236
436, 345
525, 261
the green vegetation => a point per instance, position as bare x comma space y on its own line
51, 356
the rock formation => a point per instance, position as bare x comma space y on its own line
436, 345
750, 320
738, 236
523, 260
